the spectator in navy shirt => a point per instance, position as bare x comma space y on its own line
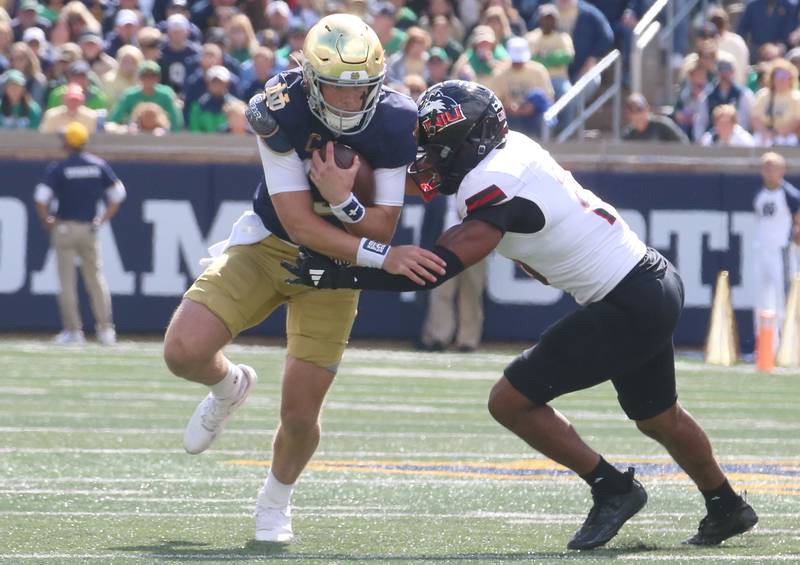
196, 85
79, 183
622, 15
177, 54
726, 91
126, 26
180, 7
591, 34
28, 16
767, 21
218, 36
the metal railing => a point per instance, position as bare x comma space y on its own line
648, 28
578, 93
643, 34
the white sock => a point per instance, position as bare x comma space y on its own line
276, 494
230, 383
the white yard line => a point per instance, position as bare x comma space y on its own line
416, 456
710, 558
335, 558
413, 435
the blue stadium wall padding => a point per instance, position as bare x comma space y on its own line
701, 222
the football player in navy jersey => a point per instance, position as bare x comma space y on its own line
512, 196
337, 95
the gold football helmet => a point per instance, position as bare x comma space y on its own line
341, 50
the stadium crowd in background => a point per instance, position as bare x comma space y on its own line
188, 62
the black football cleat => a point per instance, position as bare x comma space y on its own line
609, 513
714, 530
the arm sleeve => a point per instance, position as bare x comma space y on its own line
518, 215
367, 278
116, 192
605, 37
42, 194
284, 172
390, 186
792, 198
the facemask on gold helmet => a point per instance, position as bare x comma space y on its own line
342, 51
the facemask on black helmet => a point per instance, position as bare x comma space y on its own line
459, 124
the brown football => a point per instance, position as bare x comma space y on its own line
364, 184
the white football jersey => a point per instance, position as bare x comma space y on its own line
585, 247
775, 210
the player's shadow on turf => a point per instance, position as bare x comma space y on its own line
198, 551
185, 551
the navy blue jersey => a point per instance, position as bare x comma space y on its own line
388, 142
175, 65
78, 182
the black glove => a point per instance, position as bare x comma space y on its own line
319, 271
259, 117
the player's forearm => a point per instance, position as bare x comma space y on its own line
316, 233
111, 210
429, 268
378, 224
43, 211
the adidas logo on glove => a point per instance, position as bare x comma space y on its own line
316, 275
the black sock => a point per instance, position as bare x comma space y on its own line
720, 500
607, 479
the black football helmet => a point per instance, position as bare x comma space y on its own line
460, 122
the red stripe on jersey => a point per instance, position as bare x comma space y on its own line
485, 197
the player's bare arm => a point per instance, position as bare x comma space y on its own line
406, 267
307, 229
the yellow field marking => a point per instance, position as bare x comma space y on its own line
771, 480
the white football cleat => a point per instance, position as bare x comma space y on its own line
210, 416
106, 336
273, 524
70, 337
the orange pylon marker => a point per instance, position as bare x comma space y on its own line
765, 342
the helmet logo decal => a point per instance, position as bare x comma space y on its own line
442, 112
354, 75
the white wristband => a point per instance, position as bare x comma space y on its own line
371, 253
350, 211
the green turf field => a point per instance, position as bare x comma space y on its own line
411, 466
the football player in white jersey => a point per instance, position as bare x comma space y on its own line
513, 197
777, 212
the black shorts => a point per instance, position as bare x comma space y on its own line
626, 338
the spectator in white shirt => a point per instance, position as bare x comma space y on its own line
726, 132
731, 42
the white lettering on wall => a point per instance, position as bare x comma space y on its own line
690, 227
13, 244
178, 244
177, 235
635, 221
